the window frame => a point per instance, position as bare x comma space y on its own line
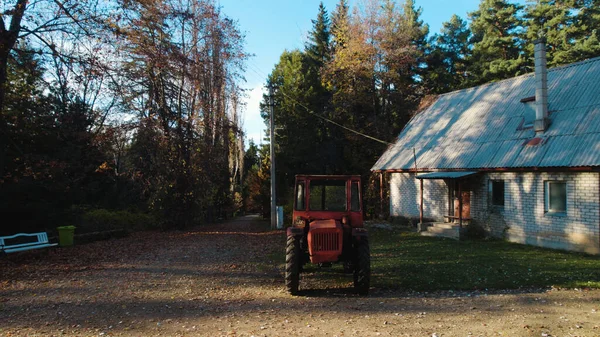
547, 196
491, 190
529, 105
300, 188
352, 182
325, 206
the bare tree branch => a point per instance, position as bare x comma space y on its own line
68, 13
15, 22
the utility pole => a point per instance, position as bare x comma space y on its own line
272, 148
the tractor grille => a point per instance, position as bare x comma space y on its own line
322, 242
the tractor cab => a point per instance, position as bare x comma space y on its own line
328, 227
328, 197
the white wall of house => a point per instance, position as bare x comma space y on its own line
524, 217
405, 197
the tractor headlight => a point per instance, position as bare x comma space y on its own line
299, 222
345, 220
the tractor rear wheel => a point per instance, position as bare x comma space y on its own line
362, 268
293, 263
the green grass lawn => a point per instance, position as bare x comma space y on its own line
408, 261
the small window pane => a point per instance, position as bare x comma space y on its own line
496, 192
327, 195
300, 197
529, 116
355, 202
557, 197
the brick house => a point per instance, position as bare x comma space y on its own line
519, 158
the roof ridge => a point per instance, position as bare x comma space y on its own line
556, 68
574, 64
477, 127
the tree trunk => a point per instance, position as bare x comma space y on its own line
4, 53
4, 137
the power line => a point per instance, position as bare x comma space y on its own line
335, 123
256, 70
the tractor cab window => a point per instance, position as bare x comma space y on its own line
328, 195
355, 197
300, 197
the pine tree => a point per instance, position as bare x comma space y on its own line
319, 46
299, 133
399, 58
496, 42
587, 35
318, 54
588, 16
418, 32
448, 59
340, 26
554, 20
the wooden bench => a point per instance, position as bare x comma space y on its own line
24, 241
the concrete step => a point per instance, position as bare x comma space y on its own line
443, 231
444, 225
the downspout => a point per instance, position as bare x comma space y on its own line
421, 184
421, 208
381, 194
460, 203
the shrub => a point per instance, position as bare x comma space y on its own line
99, 220
474, 231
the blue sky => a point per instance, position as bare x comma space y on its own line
272, 26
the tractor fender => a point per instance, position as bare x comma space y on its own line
358, 233
295, 231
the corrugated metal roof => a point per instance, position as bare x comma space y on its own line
481, 127
445, 175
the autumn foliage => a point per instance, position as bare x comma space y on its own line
132, 107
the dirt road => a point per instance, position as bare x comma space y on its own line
226, 280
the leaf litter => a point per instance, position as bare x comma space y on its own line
227, 280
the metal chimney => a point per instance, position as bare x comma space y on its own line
541, 87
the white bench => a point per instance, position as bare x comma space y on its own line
24, 241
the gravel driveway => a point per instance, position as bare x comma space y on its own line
226, 280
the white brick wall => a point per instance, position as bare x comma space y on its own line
523, 218
406, 197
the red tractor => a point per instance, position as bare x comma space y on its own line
328, 227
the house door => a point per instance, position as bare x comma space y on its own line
466, 202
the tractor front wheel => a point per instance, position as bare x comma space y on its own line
293, 263
362, 267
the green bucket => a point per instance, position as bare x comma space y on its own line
65, 235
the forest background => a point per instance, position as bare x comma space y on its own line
127, 114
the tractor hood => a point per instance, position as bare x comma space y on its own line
325, 239
321, 224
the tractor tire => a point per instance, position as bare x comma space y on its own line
348, 267
362, 270
293, 264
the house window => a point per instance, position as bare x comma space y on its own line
529, 115
556, 197
496, 192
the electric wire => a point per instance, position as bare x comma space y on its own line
258, 71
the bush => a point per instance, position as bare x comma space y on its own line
99, 220
474, 231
